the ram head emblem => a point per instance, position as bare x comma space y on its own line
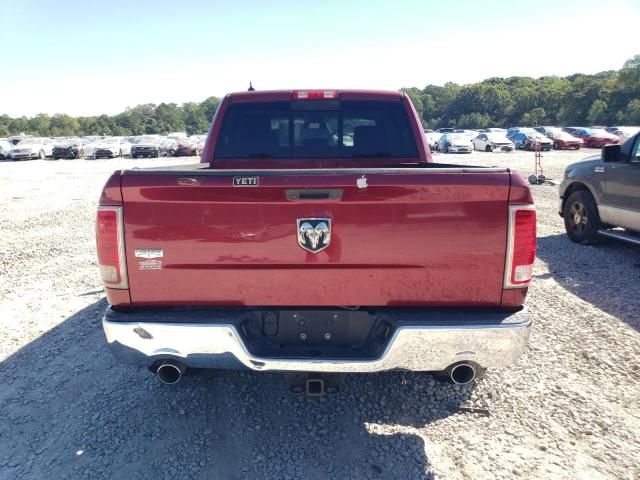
314, 234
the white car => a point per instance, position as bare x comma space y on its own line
31, 148
5, 148
112, 147
125, 146
455, 143
492, 142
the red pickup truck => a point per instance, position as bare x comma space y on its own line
317, 235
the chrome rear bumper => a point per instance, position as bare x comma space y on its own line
494, 339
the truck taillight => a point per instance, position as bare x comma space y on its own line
110, 246
521, 246
315, 94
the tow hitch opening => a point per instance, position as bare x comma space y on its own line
314, 387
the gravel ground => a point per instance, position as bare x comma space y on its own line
569, 409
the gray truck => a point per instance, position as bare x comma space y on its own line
600, 195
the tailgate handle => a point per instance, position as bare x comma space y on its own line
314, 194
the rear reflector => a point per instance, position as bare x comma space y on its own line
110, 247
315, 94
521, 246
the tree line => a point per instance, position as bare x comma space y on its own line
606, 98
164, 118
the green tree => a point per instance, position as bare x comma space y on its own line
597, 112
210, 106
39, 125
533, 117
631, 114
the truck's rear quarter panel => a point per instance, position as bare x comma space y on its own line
408, 239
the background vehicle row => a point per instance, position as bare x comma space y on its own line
31, 148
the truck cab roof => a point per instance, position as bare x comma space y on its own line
343, 94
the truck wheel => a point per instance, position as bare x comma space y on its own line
488, 148
581, 218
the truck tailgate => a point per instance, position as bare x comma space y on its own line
402, 237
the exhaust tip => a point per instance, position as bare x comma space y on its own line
462, 374
170, 372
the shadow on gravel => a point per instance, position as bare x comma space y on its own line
606, 275
69, 410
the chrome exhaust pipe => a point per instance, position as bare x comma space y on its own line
170, 372
462, 373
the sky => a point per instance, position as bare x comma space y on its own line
90, 58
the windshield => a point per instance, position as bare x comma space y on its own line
319, 129
30, 141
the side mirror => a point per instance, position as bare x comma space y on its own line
611, 153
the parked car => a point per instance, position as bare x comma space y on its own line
527, 140
147, 147
5, 149
73, 147
511, 132
570, 130
565, 141
16, 139
470, 134
492, 142
164, 246
547, 130
601, 194
125, 146
561, 139
32, 148
595, 138
111, 147
455, 143
495, 130
168, 146
432, 139
623, 133
188, 147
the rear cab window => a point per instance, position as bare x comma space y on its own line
316, 129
